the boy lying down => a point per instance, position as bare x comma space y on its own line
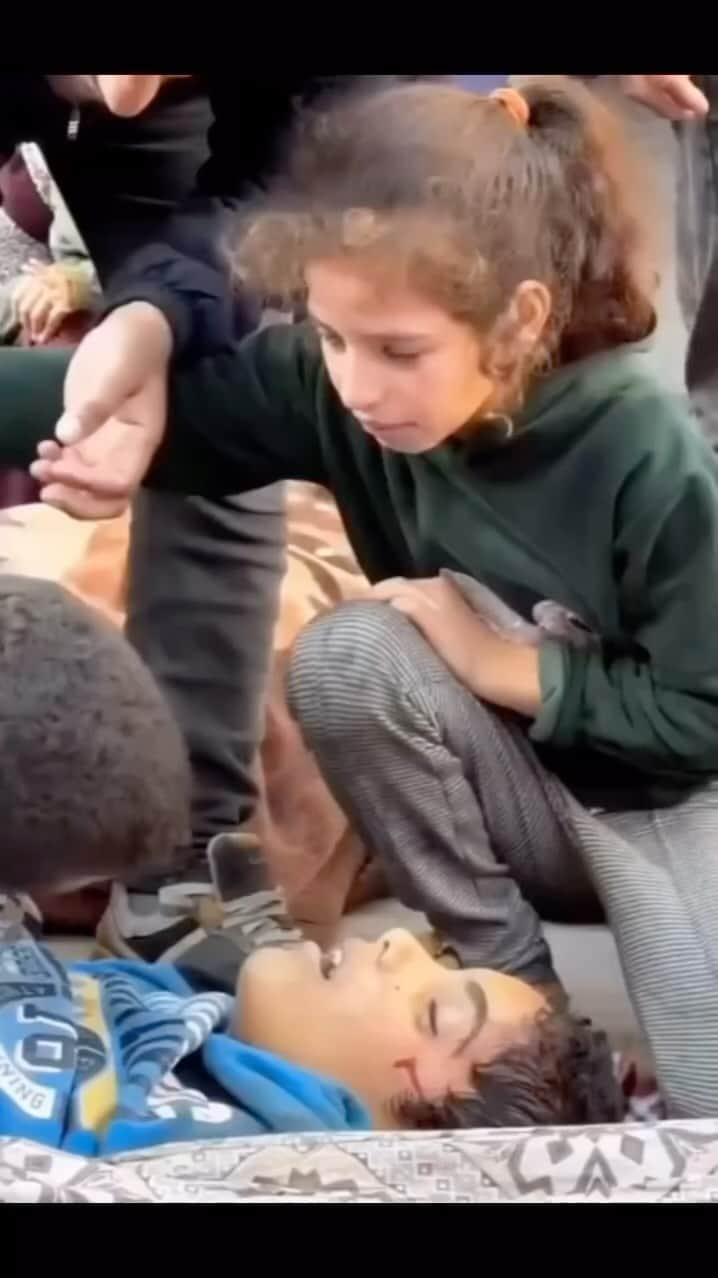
99, 1058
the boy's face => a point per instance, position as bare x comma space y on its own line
386, 1021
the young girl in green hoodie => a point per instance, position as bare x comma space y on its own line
521, 720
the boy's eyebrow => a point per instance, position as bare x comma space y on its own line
481, 1011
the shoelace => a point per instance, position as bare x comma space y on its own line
260, 917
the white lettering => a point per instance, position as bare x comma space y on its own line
35, 1101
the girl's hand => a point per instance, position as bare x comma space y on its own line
673, 96
492, 668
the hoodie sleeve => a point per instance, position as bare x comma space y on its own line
652, 700
245, 418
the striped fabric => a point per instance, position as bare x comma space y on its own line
471, 829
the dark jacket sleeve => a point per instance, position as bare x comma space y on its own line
657, 704
185, 274
195, 296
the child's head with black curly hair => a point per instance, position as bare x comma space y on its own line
94, 779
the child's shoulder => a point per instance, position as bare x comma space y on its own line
640, 421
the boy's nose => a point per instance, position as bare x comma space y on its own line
398, 948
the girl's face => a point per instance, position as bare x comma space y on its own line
407, 370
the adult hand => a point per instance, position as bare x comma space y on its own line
97, 477
674, 96
114, 419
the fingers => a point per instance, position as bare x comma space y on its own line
57, 314
39, 310
32, 266
24, 299
39, 314
686, 96
49, 449
80, 503
399, 590
674, 96
671, 107
47, 452
73, 472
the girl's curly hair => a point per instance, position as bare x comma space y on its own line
448, 188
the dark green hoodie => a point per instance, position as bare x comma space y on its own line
604, 501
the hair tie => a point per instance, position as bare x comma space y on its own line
515, 103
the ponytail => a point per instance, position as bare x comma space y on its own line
587, 160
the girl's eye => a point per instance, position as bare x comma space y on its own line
401, 355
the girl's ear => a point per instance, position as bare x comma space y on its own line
517, 336
530, 309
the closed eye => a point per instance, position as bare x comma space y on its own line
434, 1018
401, 355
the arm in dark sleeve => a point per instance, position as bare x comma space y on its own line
194, 296
183, 272
658, 707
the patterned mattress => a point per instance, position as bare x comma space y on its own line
663, 1162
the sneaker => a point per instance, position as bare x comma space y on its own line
207, 924
18, 914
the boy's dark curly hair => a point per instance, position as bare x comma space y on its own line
94, 779
563, 1074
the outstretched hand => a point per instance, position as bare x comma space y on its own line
97, 477
114, 419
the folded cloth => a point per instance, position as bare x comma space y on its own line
102, 1058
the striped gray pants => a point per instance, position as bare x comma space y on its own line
475, 832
